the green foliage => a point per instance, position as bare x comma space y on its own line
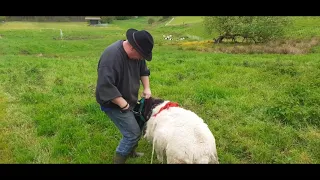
123, 17
46, 18
151, 21
107, 19
164, 18
2, 18
260, 28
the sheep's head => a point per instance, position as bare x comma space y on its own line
149, 105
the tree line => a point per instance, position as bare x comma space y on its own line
58, 18
44, 18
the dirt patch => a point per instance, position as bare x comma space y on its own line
24, 52
46, 55
277, 47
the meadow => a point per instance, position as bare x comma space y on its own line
261, 102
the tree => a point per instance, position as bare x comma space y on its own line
256, 28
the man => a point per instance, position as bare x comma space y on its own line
121, 67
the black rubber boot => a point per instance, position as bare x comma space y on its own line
135, 154
119, 159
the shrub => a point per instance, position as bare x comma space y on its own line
2, 18
122, 17
150, 21
107, 19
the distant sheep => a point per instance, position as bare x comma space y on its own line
170, 38
167, 37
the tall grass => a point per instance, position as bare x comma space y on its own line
262, 108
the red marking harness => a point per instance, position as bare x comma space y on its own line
167, 106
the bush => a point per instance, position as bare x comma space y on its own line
63, 20
107, 19
150, 21
123, 17
164, 18
40, 19
2, 18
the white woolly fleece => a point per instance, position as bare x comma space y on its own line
181, 136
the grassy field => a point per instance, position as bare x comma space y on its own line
185, 19
261, 107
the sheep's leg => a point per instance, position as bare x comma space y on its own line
152, 152
214, 159
159, 153
158, 150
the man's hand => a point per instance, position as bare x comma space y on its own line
146, 93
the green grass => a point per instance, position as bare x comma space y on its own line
262, 108
185, 20
303, 27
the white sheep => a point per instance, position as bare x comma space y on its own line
179, 135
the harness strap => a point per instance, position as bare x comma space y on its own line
140, 109
138, 113
142, 104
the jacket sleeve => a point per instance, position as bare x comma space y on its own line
107, 79
144, 70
